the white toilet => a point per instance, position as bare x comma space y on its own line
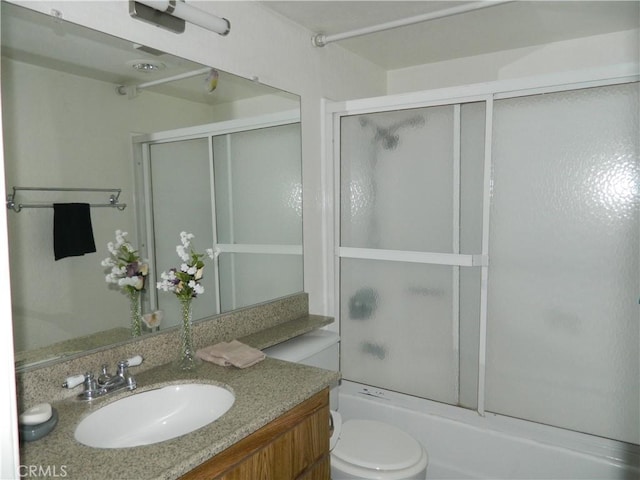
363, 449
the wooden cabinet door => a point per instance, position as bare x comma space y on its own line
293, 446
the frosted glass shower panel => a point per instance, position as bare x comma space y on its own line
472, 143
562, 330
471, 176
181, 199
397, 180
247, 279
258, 186
396, 327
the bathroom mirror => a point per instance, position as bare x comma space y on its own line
81, 110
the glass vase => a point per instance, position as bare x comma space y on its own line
136, 312
187, 360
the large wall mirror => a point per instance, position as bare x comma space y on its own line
190, 148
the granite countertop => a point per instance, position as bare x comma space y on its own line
72, 346
263, 392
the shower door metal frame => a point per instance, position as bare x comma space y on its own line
486, 92
455, 259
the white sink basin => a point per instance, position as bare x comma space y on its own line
154, 416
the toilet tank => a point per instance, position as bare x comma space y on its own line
319, 348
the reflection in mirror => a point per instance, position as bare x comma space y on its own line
210, 153
233, 182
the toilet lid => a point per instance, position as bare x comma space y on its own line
377, 445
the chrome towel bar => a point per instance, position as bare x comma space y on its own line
113, 198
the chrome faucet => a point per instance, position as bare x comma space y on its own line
105, 383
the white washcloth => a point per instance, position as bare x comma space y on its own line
231, 353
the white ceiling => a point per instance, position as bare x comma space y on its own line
38, 39
499, 27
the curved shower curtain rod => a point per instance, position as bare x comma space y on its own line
320, 40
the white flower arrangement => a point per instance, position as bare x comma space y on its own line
128, 270
185, 281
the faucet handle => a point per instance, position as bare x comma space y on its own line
129, 362
73, 381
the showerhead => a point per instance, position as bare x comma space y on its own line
387, 135
389, 140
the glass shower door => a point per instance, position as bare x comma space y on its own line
562, 330
499, 276
258, 196
407, 236
239, 192
181, 173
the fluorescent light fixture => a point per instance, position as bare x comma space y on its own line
172, 15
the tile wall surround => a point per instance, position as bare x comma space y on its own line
43, 383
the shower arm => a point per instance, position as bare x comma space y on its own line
320, 40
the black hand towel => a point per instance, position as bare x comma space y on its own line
72, 230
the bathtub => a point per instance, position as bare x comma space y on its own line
464, 445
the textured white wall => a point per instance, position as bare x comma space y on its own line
47, 143
593, 52
66, 130
8, 421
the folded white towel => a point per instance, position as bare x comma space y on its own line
231, 353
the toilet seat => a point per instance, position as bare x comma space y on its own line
371, 449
